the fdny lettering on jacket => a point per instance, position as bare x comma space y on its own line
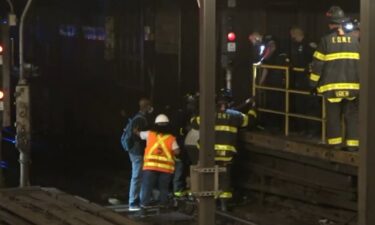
341, 39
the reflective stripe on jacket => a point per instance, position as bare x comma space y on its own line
159, 155
226, 129
335, 66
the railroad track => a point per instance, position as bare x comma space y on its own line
229, 217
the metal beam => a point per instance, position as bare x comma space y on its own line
367, 116
207, 63
23, 120
313, 150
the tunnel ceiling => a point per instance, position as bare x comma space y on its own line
351, 6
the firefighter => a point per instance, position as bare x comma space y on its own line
192, 136
158, 161
226, 128
335, 75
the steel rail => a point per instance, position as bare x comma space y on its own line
234, 218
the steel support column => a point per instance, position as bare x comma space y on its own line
23, 105
207, 63
366, 182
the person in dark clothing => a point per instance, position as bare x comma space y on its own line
267, 52
300, 58
300, 53
335, 74
140, 123
264, 51
181, 129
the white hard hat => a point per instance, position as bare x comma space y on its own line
161, 118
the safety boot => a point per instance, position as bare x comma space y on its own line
224, 204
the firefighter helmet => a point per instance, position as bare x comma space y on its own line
336, 15
161, 118
224, 96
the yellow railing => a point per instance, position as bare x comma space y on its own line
287, 91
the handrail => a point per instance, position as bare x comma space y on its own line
286, 89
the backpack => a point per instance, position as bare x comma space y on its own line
127, 137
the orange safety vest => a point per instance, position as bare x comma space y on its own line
159, 155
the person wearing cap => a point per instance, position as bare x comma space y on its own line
158, 160
335, 75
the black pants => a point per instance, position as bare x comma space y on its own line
349, 110
309, 106
225, 183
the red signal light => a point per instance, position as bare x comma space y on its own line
1, 49
1, 95
231, 36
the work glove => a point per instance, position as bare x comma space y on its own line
250, 102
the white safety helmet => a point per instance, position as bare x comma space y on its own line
161, 118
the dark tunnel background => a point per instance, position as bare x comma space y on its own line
95, 60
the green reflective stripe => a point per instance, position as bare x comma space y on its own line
334, 100
334, 141
338, 86
245, 121
314, 77
319, 56
342, 55
351, 99
226, 128
180, 193
226, 159
198, 120
252, 112
336, 56
352, 143
226, 194
225, 148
